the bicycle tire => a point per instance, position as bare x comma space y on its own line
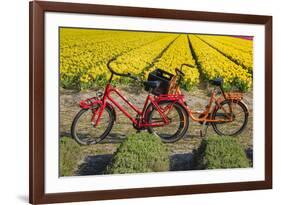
182, 129
238, 131
100, 137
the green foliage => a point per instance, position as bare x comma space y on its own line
70, 154
218, 152
241, 85
140, 153
69, 82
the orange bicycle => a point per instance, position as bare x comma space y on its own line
228, 114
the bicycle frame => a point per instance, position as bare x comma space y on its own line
205, 115
141, 120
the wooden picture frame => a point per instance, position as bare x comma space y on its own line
37, 11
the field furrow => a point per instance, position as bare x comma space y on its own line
177, 54
237, 43
81, 61
240, 57
139, 60
213, 64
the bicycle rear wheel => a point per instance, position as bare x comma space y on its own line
84, 132
239, 113
178, 121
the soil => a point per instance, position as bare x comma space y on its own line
96, 157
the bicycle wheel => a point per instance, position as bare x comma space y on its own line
239, 113
177, 116
84, 132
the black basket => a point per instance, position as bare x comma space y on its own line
163, 77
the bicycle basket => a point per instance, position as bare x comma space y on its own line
163, 77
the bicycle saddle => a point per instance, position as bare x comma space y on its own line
152, 84
217, 81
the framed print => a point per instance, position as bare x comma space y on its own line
139, 102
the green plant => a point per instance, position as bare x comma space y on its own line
140, 153
70, 154
220, 152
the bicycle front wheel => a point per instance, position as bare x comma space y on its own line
238, 111
84, 132
178, 121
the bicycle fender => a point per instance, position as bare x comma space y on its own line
232, 100
245, 104
90, 103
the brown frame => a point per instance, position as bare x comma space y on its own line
37, 96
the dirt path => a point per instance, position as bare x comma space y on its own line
96, 157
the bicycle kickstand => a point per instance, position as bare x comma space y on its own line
203, 131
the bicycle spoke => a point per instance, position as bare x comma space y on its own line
242, 112
236, 119
176, 122
88, 131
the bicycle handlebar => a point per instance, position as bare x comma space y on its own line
129, 75
186, 64
111, 70
179, 72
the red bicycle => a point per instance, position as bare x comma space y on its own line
163, 113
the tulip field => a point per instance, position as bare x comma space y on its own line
84, 54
